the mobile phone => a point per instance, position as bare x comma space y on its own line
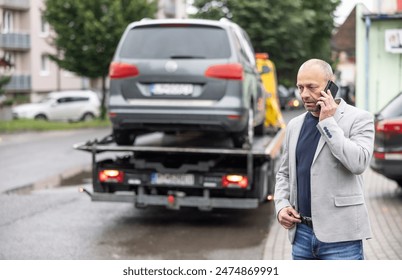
332, 87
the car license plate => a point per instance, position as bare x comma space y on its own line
171, 89
172, 179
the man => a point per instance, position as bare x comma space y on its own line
319, 185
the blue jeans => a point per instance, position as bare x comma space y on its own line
306, 246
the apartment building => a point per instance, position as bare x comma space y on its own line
25, 41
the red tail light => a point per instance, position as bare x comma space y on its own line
388, 155
118, 70
225, 71
379, 155
111, 176
236, 181
390, 126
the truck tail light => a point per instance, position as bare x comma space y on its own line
235, 181
118, 70
111, 176
232, 71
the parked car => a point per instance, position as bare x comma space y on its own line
76, 105
387, 158
289, 98
176, 75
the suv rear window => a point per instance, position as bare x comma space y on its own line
165, 42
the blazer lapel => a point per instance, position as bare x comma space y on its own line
338, 115
293, 142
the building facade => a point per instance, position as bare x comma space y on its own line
25, 41
378, 54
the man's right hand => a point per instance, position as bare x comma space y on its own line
288, 217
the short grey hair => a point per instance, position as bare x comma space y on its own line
325, 67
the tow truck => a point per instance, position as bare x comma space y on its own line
192, 169
186, 170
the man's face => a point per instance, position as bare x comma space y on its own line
310, 81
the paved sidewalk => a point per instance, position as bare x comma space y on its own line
384, 202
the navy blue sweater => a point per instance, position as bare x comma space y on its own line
305, 150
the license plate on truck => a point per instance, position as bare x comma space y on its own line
172, 179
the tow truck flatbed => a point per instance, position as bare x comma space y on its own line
265, 146
188, 170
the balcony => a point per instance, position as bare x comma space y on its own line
21, 5
15, 41
19, 83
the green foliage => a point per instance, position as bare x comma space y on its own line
4, 80
36, 125
88, 31
291, 31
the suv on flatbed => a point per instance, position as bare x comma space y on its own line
178, 75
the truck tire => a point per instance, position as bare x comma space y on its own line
261, 183
259, 129
123, 137
245, 138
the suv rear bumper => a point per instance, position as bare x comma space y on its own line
390, 169
229, 121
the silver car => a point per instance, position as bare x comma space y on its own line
72, 105
177, 75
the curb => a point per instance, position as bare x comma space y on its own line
50, 182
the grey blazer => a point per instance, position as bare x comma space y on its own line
343, 153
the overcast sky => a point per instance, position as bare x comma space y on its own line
347, 6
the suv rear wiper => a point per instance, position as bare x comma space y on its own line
187, 57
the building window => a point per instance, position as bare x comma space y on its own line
7, 21
9, 58
44, 65
44, 26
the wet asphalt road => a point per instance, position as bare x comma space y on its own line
64, 224
61, 223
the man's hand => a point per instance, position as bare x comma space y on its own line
288, 216
327, 104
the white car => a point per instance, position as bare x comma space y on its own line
77, 105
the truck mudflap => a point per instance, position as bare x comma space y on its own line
175, 200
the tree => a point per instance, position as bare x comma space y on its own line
5, 76
291, 31
87, 33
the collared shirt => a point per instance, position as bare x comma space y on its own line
305, 150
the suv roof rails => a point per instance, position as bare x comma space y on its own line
225, 19
146, 19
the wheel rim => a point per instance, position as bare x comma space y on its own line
88, 117
40, 118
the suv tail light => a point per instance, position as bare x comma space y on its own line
118, 70
111, 176
235, 181
225, 71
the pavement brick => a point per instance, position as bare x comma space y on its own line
384, 203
